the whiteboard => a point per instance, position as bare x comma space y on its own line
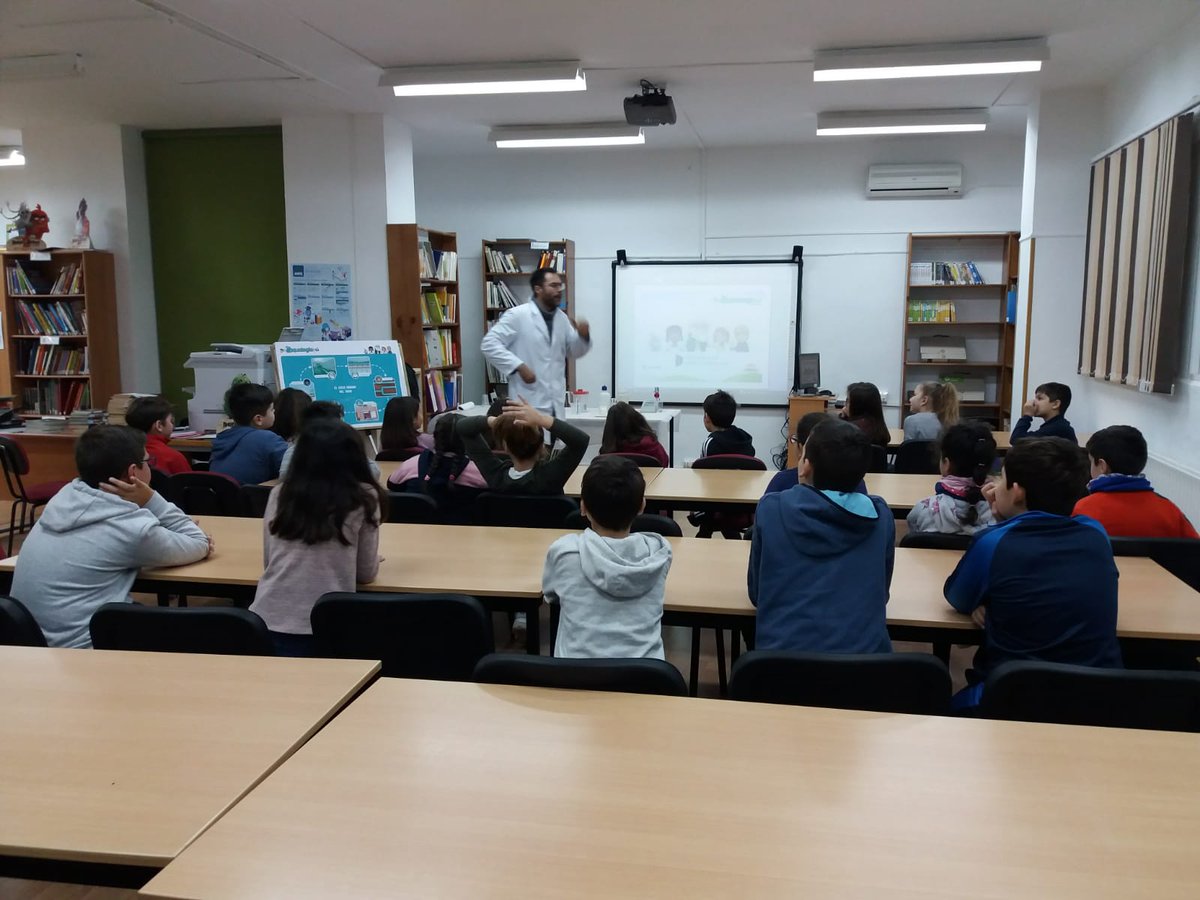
360, 375
691, 328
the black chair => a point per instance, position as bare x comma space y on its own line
732, 520
256, 496
933, 540
26, 498
18, 628
208, 494
438, 636
641, 460
1078, 695
878, 461
917, 458
629, 676
664, 525
160, 481
521, 511
208, 629
398, 455
1179, 556
412, 509
879, 682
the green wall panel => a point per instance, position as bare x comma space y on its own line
219, 241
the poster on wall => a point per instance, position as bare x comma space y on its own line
322, 296
360, 375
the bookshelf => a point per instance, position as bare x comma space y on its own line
507, 264
60, 330
960, 296
423, 297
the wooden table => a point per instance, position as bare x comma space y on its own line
123, 758
1003, 445
438, 789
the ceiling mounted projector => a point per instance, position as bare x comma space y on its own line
651, 107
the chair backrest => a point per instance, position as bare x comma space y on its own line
629, 676
397, 455
878, 461
18, 628
641, 460
14, 455
413, 509
730, 461
1179, 556
879, 682
664, 525
575, 521
932, 540
168, 629
1079, 695
523, 511
438, 636
256, 496
917, 458
208, 494
160, 481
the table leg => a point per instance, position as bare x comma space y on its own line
533, 630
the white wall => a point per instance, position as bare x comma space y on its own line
68, 162
724, 203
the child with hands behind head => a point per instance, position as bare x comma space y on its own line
519, 432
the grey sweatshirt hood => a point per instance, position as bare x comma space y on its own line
623, 568
78, 506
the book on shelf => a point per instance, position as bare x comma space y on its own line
553, 259
944, 273
44, 359
56, 398
932, 311
439, 307
59, 317
445, 265
501, 262
69, 280
425, 254
500, 296
442, 391
971, 389
494, 375
18, 279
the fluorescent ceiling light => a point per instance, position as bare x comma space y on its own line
11, 156
519, 78
614, 135
930, 60
904, 121
41, 67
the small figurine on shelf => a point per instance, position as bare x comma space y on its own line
82, 239
29, 224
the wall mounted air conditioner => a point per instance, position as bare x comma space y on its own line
919, 180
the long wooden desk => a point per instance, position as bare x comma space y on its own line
123, 758
716, 486
707, 578
436, 789
1003, 444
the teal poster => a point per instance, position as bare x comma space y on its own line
360, 375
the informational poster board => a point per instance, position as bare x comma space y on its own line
322, 295
360, 375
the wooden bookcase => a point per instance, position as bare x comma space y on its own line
93, 310
981, 319
527, 254
413, 325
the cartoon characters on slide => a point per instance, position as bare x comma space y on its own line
700, 339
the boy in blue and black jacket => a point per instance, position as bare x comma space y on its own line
249, 451
1045, 578
1049, 403
822, 553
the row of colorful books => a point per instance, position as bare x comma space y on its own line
553, 259
932, 311
437, 264
439, 307
500, 296
56, 398
443, 391
69, 280
60, 317
440, 348
56, 360
500, 262
937, 273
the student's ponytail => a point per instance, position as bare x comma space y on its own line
969, 448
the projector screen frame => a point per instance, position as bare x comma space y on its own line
622, 260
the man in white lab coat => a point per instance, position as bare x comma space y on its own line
532, 342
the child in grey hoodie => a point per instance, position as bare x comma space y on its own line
609, 583
97, 532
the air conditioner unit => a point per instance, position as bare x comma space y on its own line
921, 180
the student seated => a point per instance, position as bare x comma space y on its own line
864, 409
627, 431
822, 553
1042, 583
609, 584
153, 416
723, 436
933, 408
1119, 495
518, 431
1050, 402
249, 451
320, 532
97, 532
319, 409
446, 464
789, 478
958, 505
290, 404
401, 428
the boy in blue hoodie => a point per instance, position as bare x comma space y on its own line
822, 553
250, 451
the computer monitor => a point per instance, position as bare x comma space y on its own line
808, 369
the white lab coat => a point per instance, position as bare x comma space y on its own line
520, 337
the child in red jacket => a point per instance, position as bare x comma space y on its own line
1120, 497
153, 416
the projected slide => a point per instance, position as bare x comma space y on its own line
691, 329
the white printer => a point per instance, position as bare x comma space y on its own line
216, 370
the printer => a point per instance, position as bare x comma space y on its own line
215, 372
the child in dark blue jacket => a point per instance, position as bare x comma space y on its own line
250, 451
1050, 402
822, 553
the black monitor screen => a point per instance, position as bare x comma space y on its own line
810, 370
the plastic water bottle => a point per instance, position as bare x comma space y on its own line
603, 399
657, 401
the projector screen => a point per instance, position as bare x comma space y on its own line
691, 328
